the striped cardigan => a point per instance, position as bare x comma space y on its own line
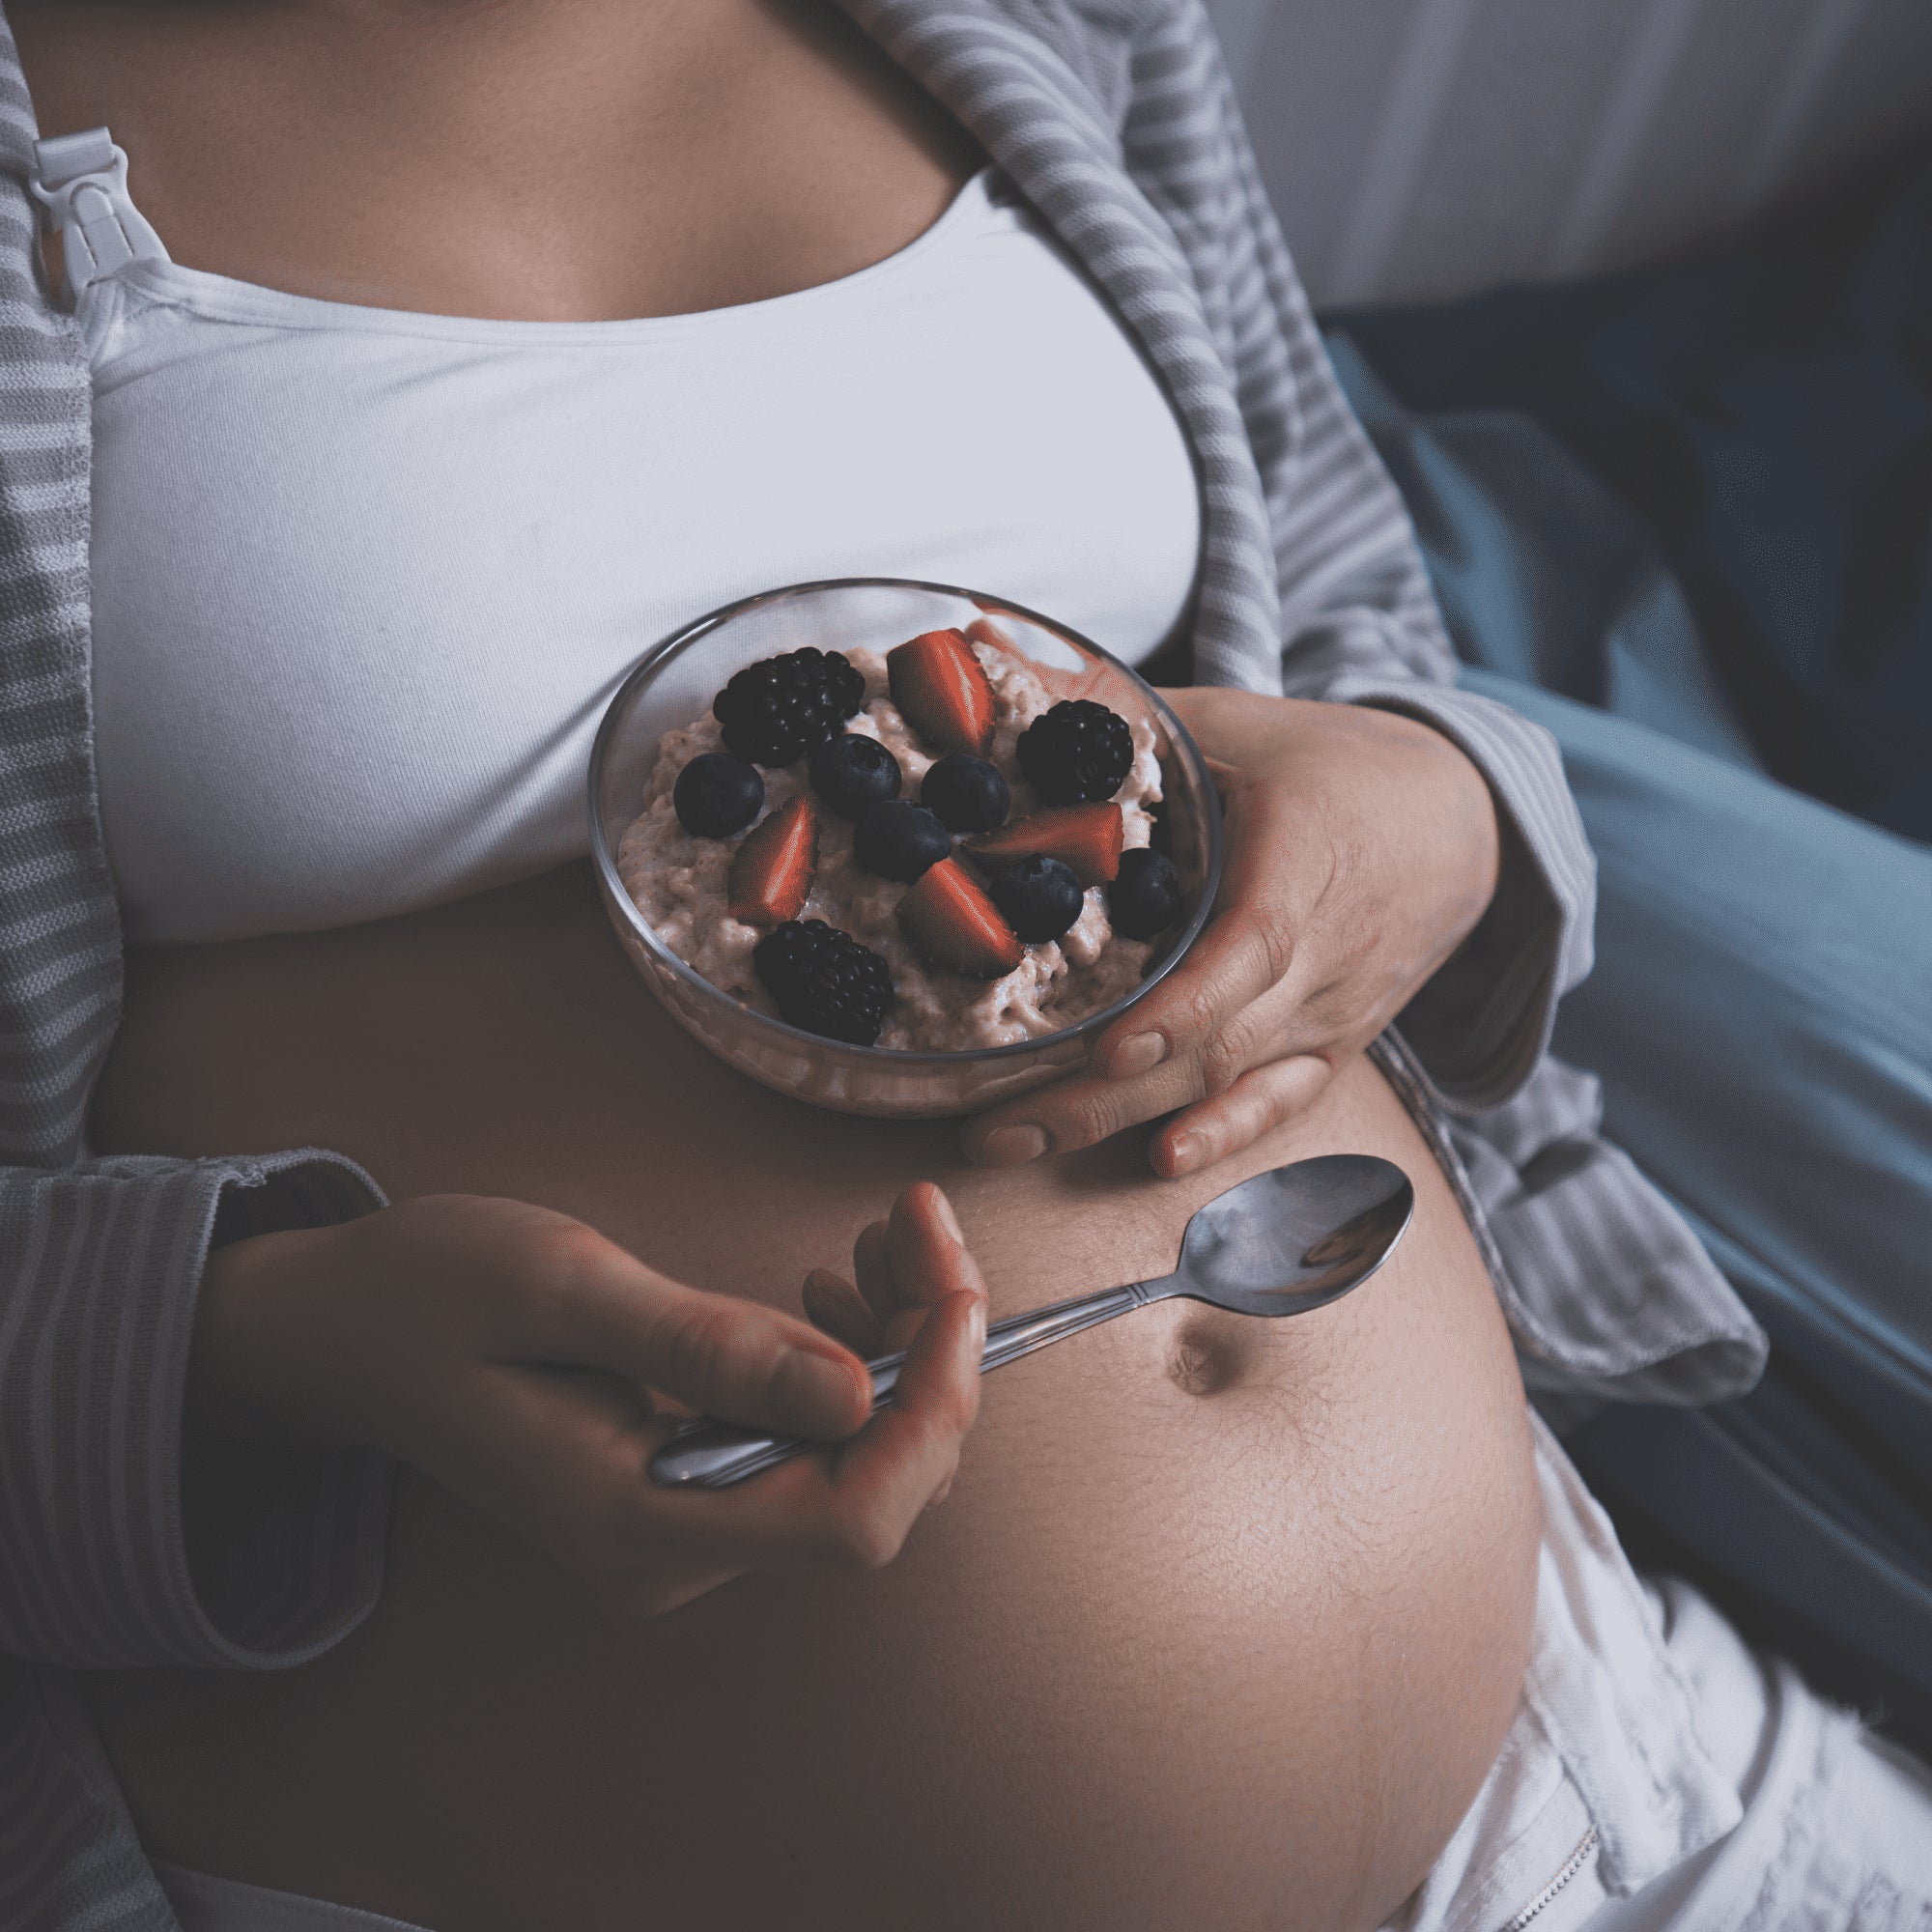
1116, 119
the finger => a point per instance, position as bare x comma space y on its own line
872, 1266
657, 1591
1085, 1109
722, 1355
853, 1504
1244, 951
1280, 862
551, 1456
927, 1256
1078, 1112
564, 1460
889, 1472
1260, 1100
858, 1507
839, 1309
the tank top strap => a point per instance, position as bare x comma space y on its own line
83, 181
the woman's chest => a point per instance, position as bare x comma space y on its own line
580, 159
365, 569
362, 581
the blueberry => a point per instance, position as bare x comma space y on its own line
852, 770
1145, 898
1038, 897
899, 840
716, 795
968, 794
1162, 839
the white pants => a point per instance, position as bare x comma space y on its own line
1659, 1778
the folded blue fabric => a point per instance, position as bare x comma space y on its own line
1768, 412
1543, 574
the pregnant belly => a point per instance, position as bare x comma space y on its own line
1221, 1625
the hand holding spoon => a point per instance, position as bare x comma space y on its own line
1278, 1243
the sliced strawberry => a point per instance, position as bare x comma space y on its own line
950, 921
942, 693
1085, 837
771, 871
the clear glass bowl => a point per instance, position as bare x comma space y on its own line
674, 682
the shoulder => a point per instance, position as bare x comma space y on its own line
1100, 27
1116, 50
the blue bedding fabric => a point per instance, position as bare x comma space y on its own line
1767, 413
1761, 1015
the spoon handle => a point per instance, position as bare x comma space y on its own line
707, 1455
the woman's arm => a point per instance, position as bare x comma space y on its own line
101, 1269
102, 1260
1426, 869
226, 1504
1360, 625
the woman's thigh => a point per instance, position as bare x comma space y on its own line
1760, 1023
1760, 1012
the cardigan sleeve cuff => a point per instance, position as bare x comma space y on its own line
1481, 1024
101, 1266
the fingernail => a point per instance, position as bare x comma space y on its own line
1141, 1053
947, 1219
1008, 1147
813, 1389
1186, 1152
978, 1322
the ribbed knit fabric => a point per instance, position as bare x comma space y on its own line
1116, 119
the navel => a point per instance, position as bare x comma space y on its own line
1203, 1358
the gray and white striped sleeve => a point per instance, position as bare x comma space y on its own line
99, 1274
1360, 625
101, 1259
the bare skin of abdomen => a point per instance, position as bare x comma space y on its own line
1221, 1625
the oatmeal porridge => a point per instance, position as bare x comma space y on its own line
916, 848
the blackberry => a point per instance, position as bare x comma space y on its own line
823, 980
1078, 753
716, 795
775, 711
1038, 897
967, 793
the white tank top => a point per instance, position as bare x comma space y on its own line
365, 579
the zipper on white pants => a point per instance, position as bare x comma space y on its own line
1585, 1851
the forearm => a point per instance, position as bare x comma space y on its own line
102, 1266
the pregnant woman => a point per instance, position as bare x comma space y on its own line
427, 362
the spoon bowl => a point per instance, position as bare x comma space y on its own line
1292, 1238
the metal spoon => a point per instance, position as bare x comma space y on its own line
1279, 1243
